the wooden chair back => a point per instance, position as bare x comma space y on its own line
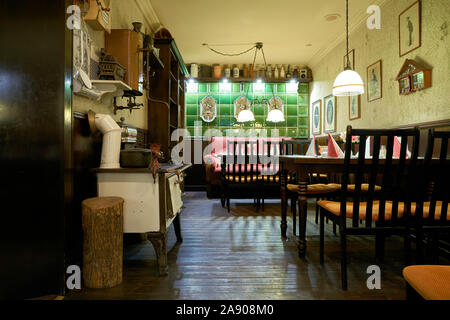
294, 147
240, 164
398, 176
437, 176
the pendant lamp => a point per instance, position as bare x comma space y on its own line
348, 83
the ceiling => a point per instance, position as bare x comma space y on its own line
285, 27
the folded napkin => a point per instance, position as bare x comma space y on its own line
398, 148
333, 149
368, 149
312, 151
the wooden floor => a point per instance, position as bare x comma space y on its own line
240, 255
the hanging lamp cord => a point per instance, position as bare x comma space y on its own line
348, 56
230, 54
257, 47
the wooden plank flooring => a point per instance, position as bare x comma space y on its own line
240, 255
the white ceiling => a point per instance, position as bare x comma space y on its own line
284, 26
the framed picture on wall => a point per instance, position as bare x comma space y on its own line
374, 81
329, 112
354, 107
351, 56
316, 117
410, 29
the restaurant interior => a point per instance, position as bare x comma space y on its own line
225, 150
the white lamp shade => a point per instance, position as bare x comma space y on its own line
348, 83
245, 116
275, 116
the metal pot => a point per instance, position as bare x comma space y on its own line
135, 158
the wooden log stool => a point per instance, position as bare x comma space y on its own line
102, 242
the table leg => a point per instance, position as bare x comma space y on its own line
283, 224
302, 211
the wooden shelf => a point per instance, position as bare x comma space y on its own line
237, 80
172, 77
155, 62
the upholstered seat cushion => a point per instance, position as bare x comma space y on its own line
335, 208
255, 178
316, 188
242, 179
364, 187
431, 282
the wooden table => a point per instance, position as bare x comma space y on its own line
303, 165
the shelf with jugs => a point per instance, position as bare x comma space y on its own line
247, 73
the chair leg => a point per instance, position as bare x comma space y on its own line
262, 198
343, 259
322, 236
407, 247
317, 211
435, 247
294, 215
419, 249
379, 247
334, 229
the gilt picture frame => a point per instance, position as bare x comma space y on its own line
374, 81
354, 107
410, 28
329, 114
316, 117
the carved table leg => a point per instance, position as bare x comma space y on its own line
160, 245
303, 212
177, 227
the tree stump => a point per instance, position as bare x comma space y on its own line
102, 242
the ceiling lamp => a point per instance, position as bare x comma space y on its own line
245, 116
348, 83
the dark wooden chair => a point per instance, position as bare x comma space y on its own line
240, 171
391, 211
432, 212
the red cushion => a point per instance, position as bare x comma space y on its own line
219, 146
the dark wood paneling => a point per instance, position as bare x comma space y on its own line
35, 146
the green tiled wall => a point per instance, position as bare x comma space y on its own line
296, 109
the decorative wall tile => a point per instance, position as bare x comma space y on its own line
296, 109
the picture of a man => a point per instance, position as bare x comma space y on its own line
410, 31
374, 82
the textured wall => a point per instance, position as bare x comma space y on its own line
372, 45
124, 13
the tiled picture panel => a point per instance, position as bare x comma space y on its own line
296, 108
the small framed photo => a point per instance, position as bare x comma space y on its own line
354, 107
410, 29
316, 117
374, 81
329, 108
351, 56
